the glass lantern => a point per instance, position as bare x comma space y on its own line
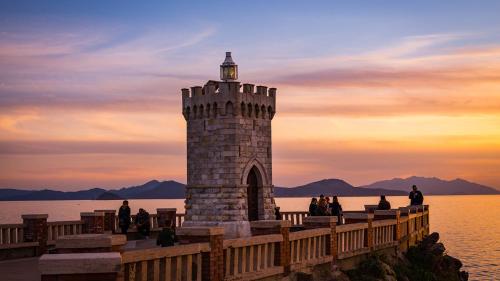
228, 69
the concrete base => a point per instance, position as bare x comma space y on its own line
232, 229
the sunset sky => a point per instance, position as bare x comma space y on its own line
90, 90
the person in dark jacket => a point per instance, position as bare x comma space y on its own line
336, 209
142, 223
383, 204
416, 197
124, 217
166, 237
313, 207
278, 213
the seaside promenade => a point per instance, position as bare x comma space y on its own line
297, 244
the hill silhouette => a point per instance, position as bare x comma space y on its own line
174, 190
434, 186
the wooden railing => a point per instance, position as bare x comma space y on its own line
58, 229
181, 263
255, 257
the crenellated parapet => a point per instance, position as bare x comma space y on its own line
221, 98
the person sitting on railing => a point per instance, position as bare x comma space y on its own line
336, 209
416, 196
383, 204
167, 237
142, 223
313, 207
322, 206
124, 217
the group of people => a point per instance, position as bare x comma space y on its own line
323, 206
143, 225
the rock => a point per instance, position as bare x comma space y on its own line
430, 240
463, 275
437, 249
340, 276
387, 269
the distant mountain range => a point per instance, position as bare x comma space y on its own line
174, 190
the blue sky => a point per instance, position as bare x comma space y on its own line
90, 90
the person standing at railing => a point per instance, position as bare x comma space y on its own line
383, 204
277, 213
416, 197
124, 217
336, 209
142, 223
313, 207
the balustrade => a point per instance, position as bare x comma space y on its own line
180, 263
11, 234
255, 257
351, 239
309, 247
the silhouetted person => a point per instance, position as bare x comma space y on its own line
124, 217
322, 207
383, 204
142, 223
328, 210
278, 213
336, 209
416, 196
313, 207
166, 237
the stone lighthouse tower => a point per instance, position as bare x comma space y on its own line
229, 154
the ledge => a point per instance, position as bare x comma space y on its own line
105, 211
34, 216
270, 223
320, 219
90, 241
166, 210
358, 216
200, 231
81, 263
91, 214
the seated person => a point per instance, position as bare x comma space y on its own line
166, 237
142, 223
383, 204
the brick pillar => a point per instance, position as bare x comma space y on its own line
212, 262
109, 220
93, 222
166, 214
369, 235
35, 230
282, 252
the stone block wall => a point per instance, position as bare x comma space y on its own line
228, 133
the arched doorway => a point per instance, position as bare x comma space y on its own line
254, 181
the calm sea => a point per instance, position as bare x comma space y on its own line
469, 225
